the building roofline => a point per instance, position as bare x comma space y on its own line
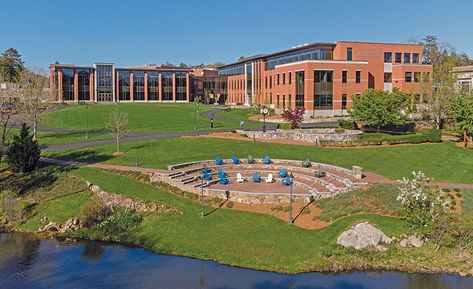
386, 43
465, 68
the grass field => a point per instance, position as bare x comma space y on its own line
443, 161
142, 117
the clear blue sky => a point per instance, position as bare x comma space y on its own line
140, 32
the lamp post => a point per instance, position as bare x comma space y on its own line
290, 199
86, 121
264, 112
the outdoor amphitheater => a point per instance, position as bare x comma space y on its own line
262, 181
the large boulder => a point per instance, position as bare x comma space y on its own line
412, 241
362, 235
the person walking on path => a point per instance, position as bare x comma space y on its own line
242, 125
212, 122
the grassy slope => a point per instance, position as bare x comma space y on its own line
443, 162
242, 238
142, 117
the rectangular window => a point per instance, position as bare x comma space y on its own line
270, 82
416, 76
290, 101
138, 85
290, 77
284, 78
407, 58
277, 79
388, 57
349, 53
398, 57
358, 76
270, 98
426, 76
299, 88
416, 98
415, 57
388, 77
425, 98
266, 82
277, 101
283, 101
323, 90
344, 76
408, 77
344, 101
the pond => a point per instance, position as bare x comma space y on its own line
26, 262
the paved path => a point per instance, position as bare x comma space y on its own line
373, 178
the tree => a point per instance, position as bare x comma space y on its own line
24, 151
11, 65
7, 111
295, 116
117, 125
380, 108
33, 97
462, 113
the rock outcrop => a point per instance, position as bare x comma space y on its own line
411, 241
363, 235
73, 224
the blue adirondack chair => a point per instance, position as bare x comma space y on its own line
223, 181
206, 176
283, 173
266, 160
221, 173
287, 181
218, 161
235, 160
256, 177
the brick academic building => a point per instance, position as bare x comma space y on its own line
321, 77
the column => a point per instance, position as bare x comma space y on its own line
160, 87
146, 86
117, 90
131, 86
91, 86
173, 86
76, 86
188, 91
59, 82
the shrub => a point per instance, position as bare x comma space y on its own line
284, 125
229, 204
120, 221
11, 209
294, 116
94, 212
24, 151
347, 124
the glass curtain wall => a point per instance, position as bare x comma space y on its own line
138, 85
299, 88
323, 89
153, 85
249, 81
124, 85
105, 80
181, 86
84, 84
167, 85
67, 84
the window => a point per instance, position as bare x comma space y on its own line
277, 79
416, 98
166, 78
388, 77
323, 89
344, 76
284, 78
416, 76
153, 85
415, 57
270, 98
181, 86
138, 85
290, 77
358, 76
344, 101
388, 57
408, 77
266, 82
407, 58
68, 84
277, 101
299, 88
425, 98
398, 57
124, 85
84, 84
270, 81
283, 101
290, 101
349, 53
426, 76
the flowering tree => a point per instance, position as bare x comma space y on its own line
294, 116
422, 203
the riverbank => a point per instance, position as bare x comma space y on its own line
239, 238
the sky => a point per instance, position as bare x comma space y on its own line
139, 32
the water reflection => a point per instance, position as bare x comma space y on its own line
28, 263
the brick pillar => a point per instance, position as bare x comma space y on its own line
173, 87
91, 86
160, 87
76, 86
146, 86
117, 95
131, 86
59, 90
51, 83
188, 90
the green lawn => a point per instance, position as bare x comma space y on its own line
233, 237
142, 117
443, 161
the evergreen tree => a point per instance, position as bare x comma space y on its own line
11, 65
24, 151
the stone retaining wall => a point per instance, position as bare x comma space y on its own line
313, 136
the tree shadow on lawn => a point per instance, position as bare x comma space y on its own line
217, 208
302, 210
24, 183
86, 156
